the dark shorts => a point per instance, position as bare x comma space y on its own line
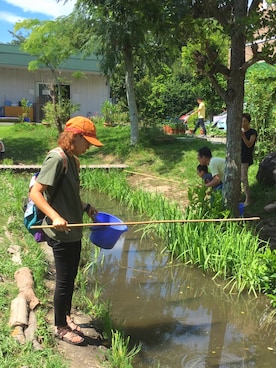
218, 187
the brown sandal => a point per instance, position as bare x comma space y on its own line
67, 335
74, 327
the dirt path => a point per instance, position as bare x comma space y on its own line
172, 190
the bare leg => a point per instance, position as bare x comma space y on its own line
245, 184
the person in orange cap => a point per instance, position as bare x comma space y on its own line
56, 192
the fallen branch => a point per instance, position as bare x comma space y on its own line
22, 316
25, 284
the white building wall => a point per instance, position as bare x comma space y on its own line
90, 91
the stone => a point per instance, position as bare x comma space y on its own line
266, 174
271, 207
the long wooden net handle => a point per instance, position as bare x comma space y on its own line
151, 222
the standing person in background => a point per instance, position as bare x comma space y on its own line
201, 116
248, 141
2, 150
65, 208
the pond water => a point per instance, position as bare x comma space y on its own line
182, 317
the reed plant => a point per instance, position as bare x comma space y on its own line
232, 252
121, 354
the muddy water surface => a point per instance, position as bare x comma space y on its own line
182, 318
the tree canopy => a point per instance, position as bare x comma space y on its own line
242, 24
52, 42
127, 32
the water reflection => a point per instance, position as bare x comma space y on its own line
183, 318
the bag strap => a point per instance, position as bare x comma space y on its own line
62, 154
59, 151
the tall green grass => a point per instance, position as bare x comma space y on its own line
121, 355
232, 252
14, 189
12, 231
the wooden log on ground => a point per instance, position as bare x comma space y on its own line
19, 312
25, 284
18, 334
30, 331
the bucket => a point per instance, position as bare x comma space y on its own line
241, 209
106, 236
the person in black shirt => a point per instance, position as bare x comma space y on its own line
248, 141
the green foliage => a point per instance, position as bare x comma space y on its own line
165, 95
121, 355
172, 92
26, 108
57, 113
227, 249
267, 272
33, 257
11, 353
108, 111
129, 26
260, 94
130, 38
207, 202
52, 42
207, 50
114, 113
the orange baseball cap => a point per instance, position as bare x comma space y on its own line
85, 127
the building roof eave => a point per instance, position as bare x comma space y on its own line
12, 57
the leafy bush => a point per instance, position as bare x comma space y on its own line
59, 113
260, 94
114, 113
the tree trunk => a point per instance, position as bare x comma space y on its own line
129, 79
56, 100
234, 101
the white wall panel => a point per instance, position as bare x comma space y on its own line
90, 92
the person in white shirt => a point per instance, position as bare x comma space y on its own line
2, 150
216, 166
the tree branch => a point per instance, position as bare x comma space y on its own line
221, 92
210, 10
258, 57
220, 68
